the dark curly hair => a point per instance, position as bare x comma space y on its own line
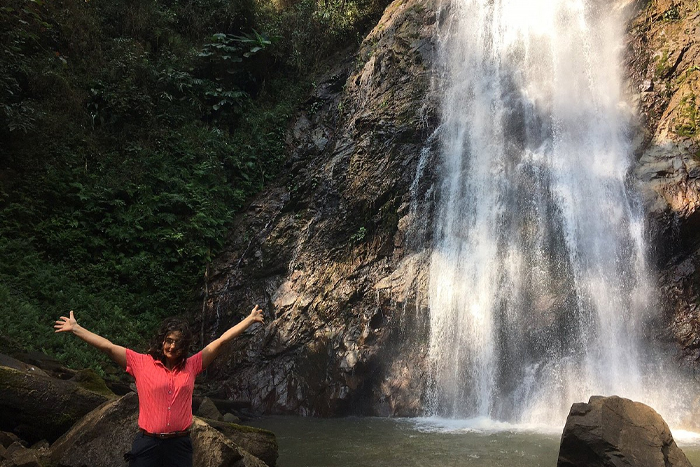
155, 348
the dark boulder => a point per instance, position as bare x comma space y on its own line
6, 439
53, 407
15, 364
213, 449
48, 364
616, 432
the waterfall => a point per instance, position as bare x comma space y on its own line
539, 291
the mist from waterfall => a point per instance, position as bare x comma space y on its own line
539, 290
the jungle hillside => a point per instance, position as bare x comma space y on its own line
131, 134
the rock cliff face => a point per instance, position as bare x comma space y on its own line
663, 62
332, 252
337, 252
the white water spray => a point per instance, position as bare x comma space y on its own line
539, 290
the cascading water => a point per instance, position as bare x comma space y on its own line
539, 290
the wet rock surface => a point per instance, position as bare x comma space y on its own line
612, 431
663, 62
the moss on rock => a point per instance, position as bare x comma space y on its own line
91, 381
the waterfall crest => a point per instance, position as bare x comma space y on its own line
539, 291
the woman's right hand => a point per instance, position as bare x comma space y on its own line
66, 324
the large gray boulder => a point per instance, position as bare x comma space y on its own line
617, 432
102, 437
36, 406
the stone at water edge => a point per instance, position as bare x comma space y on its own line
231, 418
256, 441
613, 431
207, 409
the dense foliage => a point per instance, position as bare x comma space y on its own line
131, 131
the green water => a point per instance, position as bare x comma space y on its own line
381, 442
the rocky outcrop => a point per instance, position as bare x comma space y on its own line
614, 432
55, 404
212, 449
334, 253
664, 69
337, 252
105, 435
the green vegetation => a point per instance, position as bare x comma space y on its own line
358, 236
662, 65
131, 132
672, 14
688, 116
88, 379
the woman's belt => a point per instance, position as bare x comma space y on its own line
172, 434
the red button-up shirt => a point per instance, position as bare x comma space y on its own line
165, 396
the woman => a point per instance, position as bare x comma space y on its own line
164, 382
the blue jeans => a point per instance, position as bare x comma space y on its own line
147, 451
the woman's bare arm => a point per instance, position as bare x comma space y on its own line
115, 352
211, 351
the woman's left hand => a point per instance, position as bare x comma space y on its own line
211, 351
256, 315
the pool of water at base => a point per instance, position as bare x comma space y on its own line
392, 442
